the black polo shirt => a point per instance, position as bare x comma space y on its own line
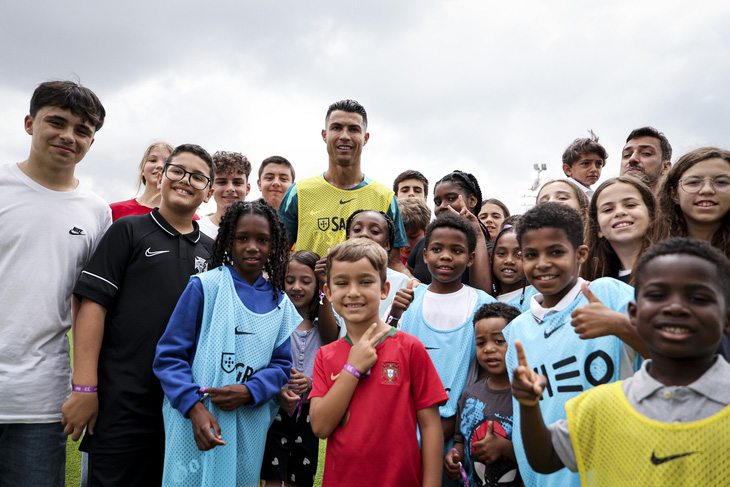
138, 272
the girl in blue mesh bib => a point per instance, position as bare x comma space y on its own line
226, 354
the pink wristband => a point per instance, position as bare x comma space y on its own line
353, 371
85, 388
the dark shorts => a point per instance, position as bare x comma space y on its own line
291, 449
139, 467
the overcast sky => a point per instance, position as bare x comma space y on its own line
482, 86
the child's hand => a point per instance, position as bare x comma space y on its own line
490, 448
79, 412
288, 399
527, 385
298, 382
403, 299
595, 319
230, 397
363, 355
452, 464
468, 215
203, 421
320, 270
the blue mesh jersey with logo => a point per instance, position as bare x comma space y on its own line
233, 344
451, 351
570, 364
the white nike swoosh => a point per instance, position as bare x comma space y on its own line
151, 253
333, 376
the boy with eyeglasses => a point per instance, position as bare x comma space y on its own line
128, 292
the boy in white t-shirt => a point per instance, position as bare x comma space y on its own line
440, 314
232, 170
51, 224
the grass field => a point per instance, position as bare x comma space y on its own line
73, 457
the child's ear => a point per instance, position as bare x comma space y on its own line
673, 193
472, 256
207, 196
567, 170
632, 313
327, 292
582, 254
384, 292
159, 181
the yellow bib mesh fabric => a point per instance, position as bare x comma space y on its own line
616, 446
324, 209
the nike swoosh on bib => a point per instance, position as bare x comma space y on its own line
659, 460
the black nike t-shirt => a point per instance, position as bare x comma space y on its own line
137, 273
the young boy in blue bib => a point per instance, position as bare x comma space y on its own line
669, 424
551, 239
371, 388
441, 313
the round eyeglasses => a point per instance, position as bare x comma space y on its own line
173, 172
693, 184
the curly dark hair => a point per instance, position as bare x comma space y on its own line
231, 162
457, 222
275, 265
388, 222
687, 246
496, 310
552, 215
309, 259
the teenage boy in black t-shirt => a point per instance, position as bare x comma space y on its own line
128, 292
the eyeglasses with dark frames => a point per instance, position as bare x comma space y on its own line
173, 172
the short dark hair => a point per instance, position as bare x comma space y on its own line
497, 310
687, 246
276, 160
415, 213
352, 106
388, 223
457, 222
235, 162
197, 151
552, 215
410, 174
652, 132
71, 96
587, 145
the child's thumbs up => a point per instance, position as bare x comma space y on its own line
589, 294
403, 299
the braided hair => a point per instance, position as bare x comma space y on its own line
467, 183
275, 265
388, 222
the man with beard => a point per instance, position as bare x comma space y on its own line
647, 155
